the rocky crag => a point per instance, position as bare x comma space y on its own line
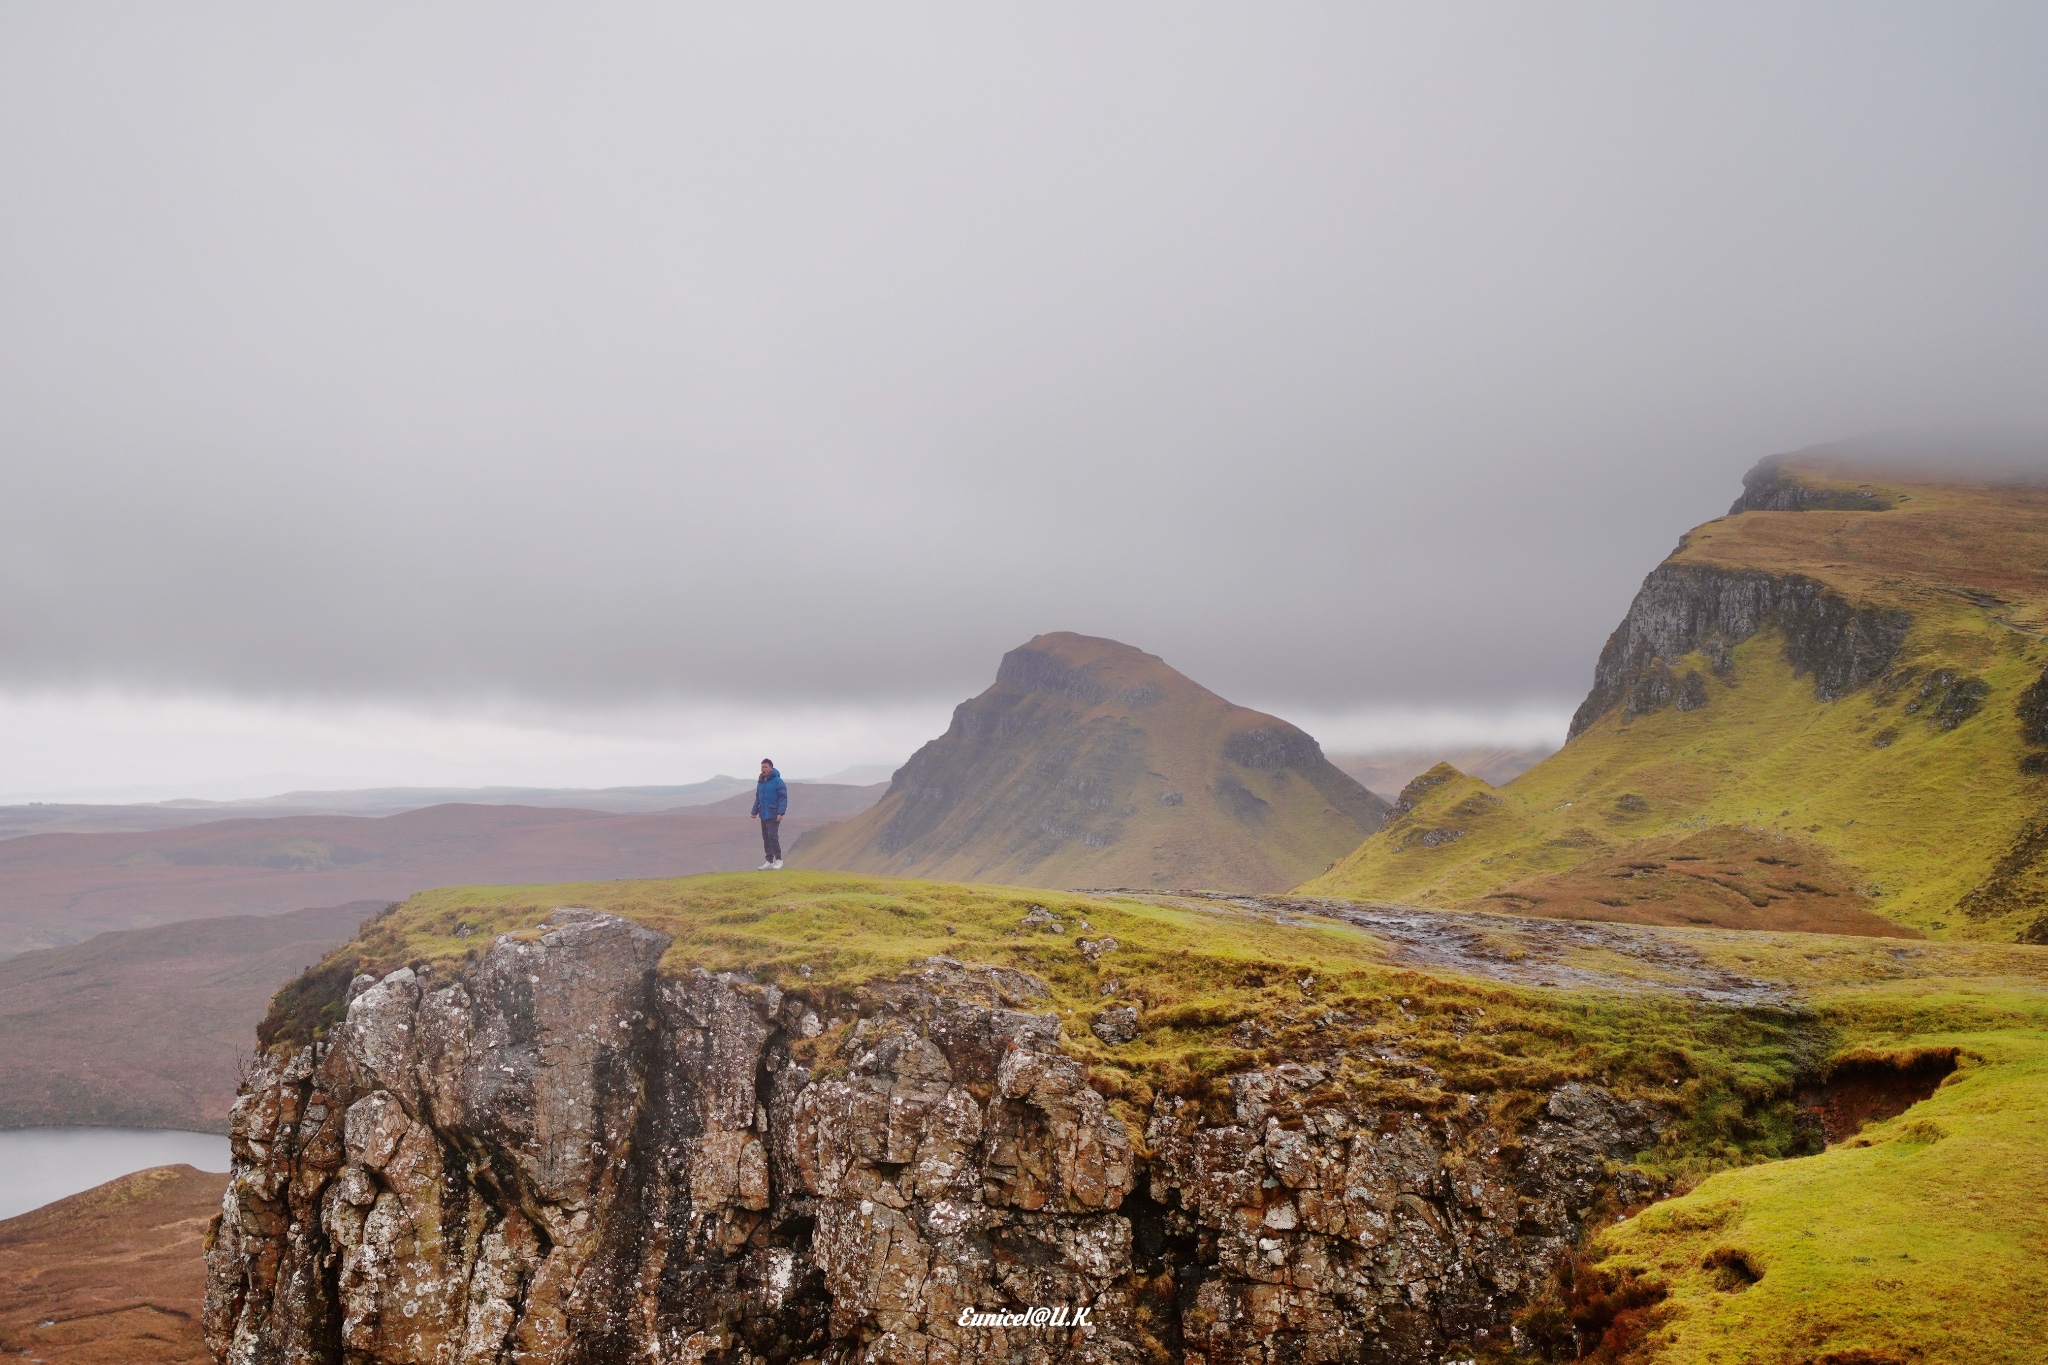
558, 1153
1842, 676
1090, 763
1706, 610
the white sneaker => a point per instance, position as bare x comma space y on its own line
777, 864
767, 867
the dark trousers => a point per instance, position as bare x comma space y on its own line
771, 839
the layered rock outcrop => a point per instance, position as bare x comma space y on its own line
1704, 609
1694, 608
1772, 486
560, 1154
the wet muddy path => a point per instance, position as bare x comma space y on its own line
1566, 954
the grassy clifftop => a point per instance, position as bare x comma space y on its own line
1217, 990
1901, 1240
1829, 719
1922, 1238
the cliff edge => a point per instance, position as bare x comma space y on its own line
557, 1148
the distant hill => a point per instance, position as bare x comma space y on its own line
57, 817
1090, 763
1828, 708
144, 1029
112, 1275
1385, 772
63, 888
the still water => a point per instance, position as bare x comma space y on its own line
38, 1165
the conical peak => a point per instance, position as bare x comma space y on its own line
1090, 763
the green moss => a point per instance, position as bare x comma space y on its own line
1924, 1238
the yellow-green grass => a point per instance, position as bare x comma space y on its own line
1923, 819
1921, 813
1199, 976
1942, 1205
1924, 1239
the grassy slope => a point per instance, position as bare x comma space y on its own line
1924, 1239
113, 1275
1921, 822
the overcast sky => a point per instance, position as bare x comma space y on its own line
381, 384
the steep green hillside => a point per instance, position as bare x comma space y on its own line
1825, 708
1090, 763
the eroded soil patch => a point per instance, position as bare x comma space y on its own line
1727, 877
1865, 1088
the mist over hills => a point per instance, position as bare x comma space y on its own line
1818, 647
1827, 709
60, 817
1089, 762
1385, 772
455, 394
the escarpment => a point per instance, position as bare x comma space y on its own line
1775, 484
560, 1154
1684, 609
1843, 675
1693, 608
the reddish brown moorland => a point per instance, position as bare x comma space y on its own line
1726, 876
63, 888
146, 1028
113, 1276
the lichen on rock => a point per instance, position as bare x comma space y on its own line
559, 1153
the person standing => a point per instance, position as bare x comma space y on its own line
771, 803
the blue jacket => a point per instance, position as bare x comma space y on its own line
771, 796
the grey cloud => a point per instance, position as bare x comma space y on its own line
1337, 355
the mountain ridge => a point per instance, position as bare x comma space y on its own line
1835, 674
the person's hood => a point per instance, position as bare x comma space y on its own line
773, 773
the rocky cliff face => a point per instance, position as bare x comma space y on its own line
563, 1155
1770, 486
1683, 609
